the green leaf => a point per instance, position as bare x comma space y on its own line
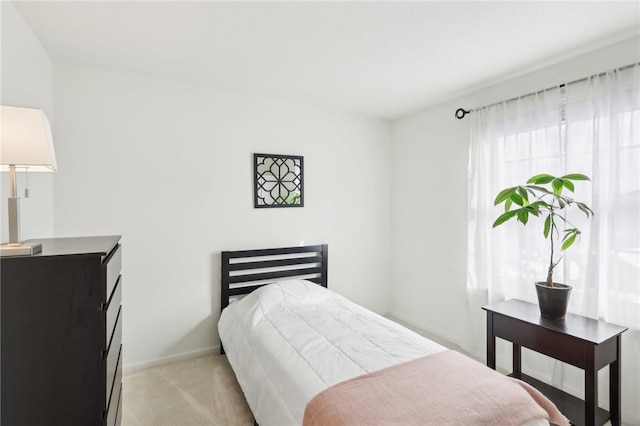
507, 205
529, 190
547, 226
568, 241
567, 184
517, 199
584, 208
523, 193
556, 184
541, 179
504, 217
532, 210
540, 204
523, 216
576, 176
540, 189
503, 195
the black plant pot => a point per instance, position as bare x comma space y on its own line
553, 301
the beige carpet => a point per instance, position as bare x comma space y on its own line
196, 392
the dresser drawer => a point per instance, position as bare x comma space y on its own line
119, 412
113, 356
113, 308
113, 417
113, 265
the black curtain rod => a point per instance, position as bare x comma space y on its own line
461, 112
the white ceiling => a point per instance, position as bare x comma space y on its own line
383, 59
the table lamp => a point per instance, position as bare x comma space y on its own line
26, 145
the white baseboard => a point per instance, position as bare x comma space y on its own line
143, 365
402, 320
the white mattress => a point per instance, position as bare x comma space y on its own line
290, 340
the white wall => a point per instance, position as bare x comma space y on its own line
26, 81
429, 202
169, 167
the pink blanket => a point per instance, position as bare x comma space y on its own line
446, 388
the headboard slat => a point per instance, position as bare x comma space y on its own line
274, 251
274, 275
274, 263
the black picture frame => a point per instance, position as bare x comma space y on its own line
278, 180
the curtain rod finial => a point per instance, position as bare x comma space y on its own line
461, 112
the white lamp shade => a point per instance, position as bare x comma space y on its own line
26, 140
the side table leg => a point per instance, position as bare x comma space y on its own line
615, 386
517, 358
590, 386
491, 342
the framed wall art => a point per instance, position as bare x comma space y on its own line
279, 180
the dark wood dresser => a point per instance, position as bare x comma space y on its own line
61, 325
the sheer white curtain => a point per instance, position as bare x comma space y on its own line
590, 127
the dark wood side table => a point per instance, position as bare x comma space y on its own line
584, 342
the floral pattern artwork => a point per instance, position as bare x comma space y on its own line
278, 180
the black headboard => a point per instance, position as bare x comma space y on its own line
240, 270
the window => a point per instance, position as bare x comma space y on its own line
590, 127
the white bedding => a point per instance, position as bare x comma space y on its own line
292, 339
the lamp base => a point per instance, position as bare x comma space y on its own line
20, 249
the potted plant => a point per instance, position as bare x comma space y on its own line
548, 203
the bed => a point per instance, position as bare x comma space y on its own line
299, 350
